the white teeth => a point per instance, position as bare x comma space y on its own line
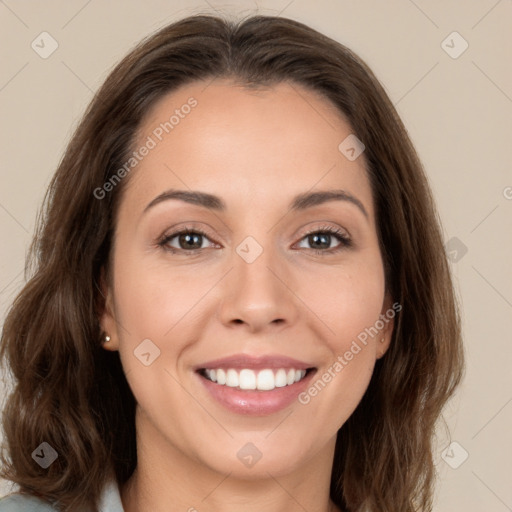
221, 376
232, 379
264, 380
247, 379
280, 381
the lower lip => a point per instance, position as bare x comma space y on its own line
255, 402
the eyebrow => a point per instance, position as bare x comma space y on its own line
299, 203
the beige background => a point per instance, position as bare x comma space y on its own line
457, 110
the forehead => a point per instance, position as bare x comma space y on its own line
257, 146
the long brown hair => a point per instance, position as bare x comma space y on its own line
72, 394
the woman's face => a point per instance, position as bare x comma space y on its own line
248, 293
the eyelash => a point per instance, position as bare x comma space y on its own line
345, 241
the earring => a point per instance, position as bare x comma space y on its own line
382, 340
107, 339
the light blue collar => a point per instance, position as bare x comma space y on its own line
110, 500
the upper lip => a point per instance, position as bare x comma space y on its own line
255, 362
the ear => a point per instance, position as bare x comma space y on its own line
107, 315
387, 317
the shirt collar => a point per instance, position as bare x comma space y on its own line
110, 500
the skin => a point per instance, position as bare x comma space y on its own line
256, 149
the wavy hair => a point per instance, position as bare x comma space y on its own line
71, 393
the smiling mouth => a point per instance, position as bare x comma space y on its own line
265, 379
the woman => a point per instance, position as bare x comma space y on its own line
241, 299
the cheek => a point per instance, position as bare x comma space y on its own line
154, 306
162, 310
349, 301
350, 308
154, 299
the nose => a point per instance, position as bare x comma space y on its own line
258, 296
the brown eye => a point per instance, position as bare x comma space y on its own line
189, 240
320, 240
184, 241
